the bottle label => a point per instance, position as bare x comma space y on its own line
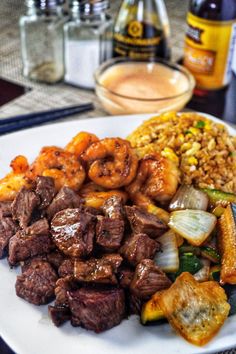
208, 51
140, 40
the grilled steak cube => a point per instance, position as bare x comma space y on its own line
55, 258
114, 259
8, 228
92, 211
36, 285
134, 304
5, 209
45, 189
125, 276
66, 198
95, 271
109, 232
23, 206
110, 229
73, 232
138, 247
63, 286
22, 246
66, 268
143, 222
148, 279
113, 207
59, 315
97, 310
40, 227
31, 262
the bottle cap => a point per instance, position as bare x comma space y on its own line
90, 7
45, 4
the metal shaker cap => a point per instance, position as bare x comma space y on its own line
45, 4
89, 7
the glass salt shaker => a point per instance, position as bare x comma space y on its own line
88, 41
41, 32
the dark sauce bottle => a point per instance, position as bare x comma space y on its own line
141, 30
210, 41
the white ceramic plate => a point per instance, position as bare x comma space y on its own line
27, 328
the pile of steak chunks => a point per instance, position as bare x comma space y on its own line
96, 264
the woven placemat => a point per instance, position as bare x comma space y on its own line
43, 96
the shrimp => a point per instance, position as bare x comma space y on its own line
60, 165
112, 162
157, 178
94, 196
80, 143
15, 180
19, 164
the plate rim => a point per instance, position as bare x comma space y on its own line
75, 121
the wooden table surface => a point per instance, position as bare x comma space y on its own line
40, 96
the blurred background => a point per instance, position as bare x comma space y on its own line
42, 96
32, 96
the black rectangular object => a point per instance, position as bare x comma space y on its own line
9, 91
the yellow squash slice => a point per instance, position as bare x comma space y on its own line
195, 310
151, 310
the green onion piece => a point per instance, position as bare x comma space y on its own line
200, 124
232, 153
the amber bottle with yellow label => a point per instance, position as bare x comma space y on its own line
141, 30
210, 41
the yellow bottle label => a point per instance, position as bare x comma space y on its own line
208, 52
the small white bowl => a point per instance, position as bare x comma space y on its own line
141, 97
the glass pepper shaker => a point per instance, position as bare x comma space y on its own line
41, 32
88, 41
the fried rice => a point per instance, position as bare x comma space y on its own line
204, 150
